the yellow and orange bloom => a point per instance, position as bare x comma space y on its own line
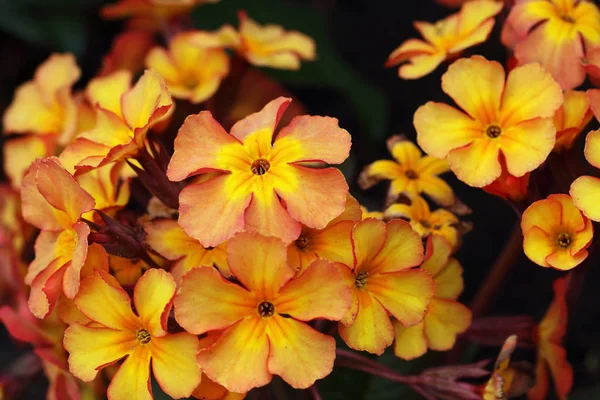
445, 39
53, 201
167, 238
124, 115
446, 318
262, 45
379, 269
411, 174
142, 338
509, 116
586, 189
190, 71
45, 111
554, 33
426, 222
556, 234
263, 320
571, 118
327, 243
258, 173
551, 355
128, 51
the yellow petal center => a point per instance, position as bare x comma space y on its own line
260, 166
143, 336
564, 240
493, 131
266, 309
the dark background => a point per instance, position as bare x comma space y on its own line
348, 81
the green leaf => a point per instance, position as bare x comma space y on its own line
329, 70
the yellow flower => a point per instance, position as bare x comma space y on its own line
509, 116
552, 32
190, 71
411, 174
556, 234
424, 221
446, 317
571, 118
445, 39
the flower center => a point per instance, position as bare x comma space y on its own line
564, 240
361, 279
567, 18
493, 131
425, 224
143, 336
191, 82
266, 309
410, 174
260, 166
301, 242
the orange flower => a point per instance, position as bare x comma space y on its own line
511, 116
327, 243
426, 222
128, 51
556, 234
124, 115
571, 118
411, 174
54, 202
499, 384
141, 339
586, 189
167, 238
551, 355
445, 39
190, 71
263, 333
259, 172
263, 46
446, 317
553, 32
45, 105
383, 283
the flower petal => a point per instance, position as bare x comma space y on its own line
174, 363
530, 92
421, 65
538, 245
592, 148
449, 282
320, 292
202, 144
266, 119
372, 329
298, 353
546, 214
147, 101
105, 303
405, 294
368, 238
71, 279
563, 259
91, 349
313, 138
152, 297
527, 145
437, 255
206, 302
319, 197
132, 380
442, 128
445, 319
264, 270
19, 153
106, 91
410, 342
477, 164
238, 360
585, 191
402, 249
198, 220
266, 216
475, 84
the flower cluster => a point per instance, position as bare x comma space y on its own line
242, 255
